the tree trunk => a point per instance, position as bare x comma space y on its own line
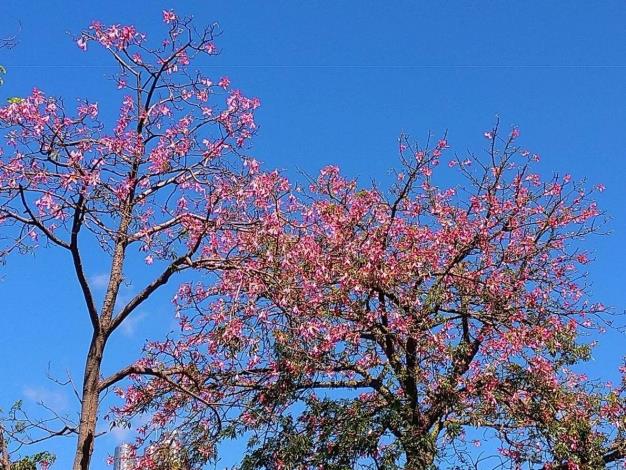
5, 463
420, 454
89, 407
419, 460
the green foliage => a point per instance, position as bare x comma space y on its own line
32, 462
331, 434
40, 460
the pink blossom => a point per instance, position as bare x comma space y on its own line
82, 43
224, 82
169, 16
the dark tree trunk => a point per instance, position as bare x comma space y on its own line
89, 407
420, 461
5, 463
101, 332
420, 453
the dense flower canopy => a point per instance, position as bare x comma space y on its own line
393, 327
164, 153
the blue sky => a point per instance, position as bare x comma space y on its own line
338, 81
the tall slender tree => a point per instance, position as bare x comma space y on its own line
166, 185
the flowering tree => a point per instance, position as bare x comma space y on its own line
165, 185
334, 327
395, 329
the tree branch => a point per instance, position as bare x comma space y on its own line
37, 223
78, 264
146, 293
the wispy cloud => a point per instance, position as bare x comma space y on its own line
53, 399
129, 327
125, 434
99, 281
120, 434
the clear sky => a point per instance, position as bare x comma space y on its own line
338, 81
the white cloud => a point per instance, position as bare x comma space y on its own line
100, 281
130, 324
120, 434
55, 400
125, 434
